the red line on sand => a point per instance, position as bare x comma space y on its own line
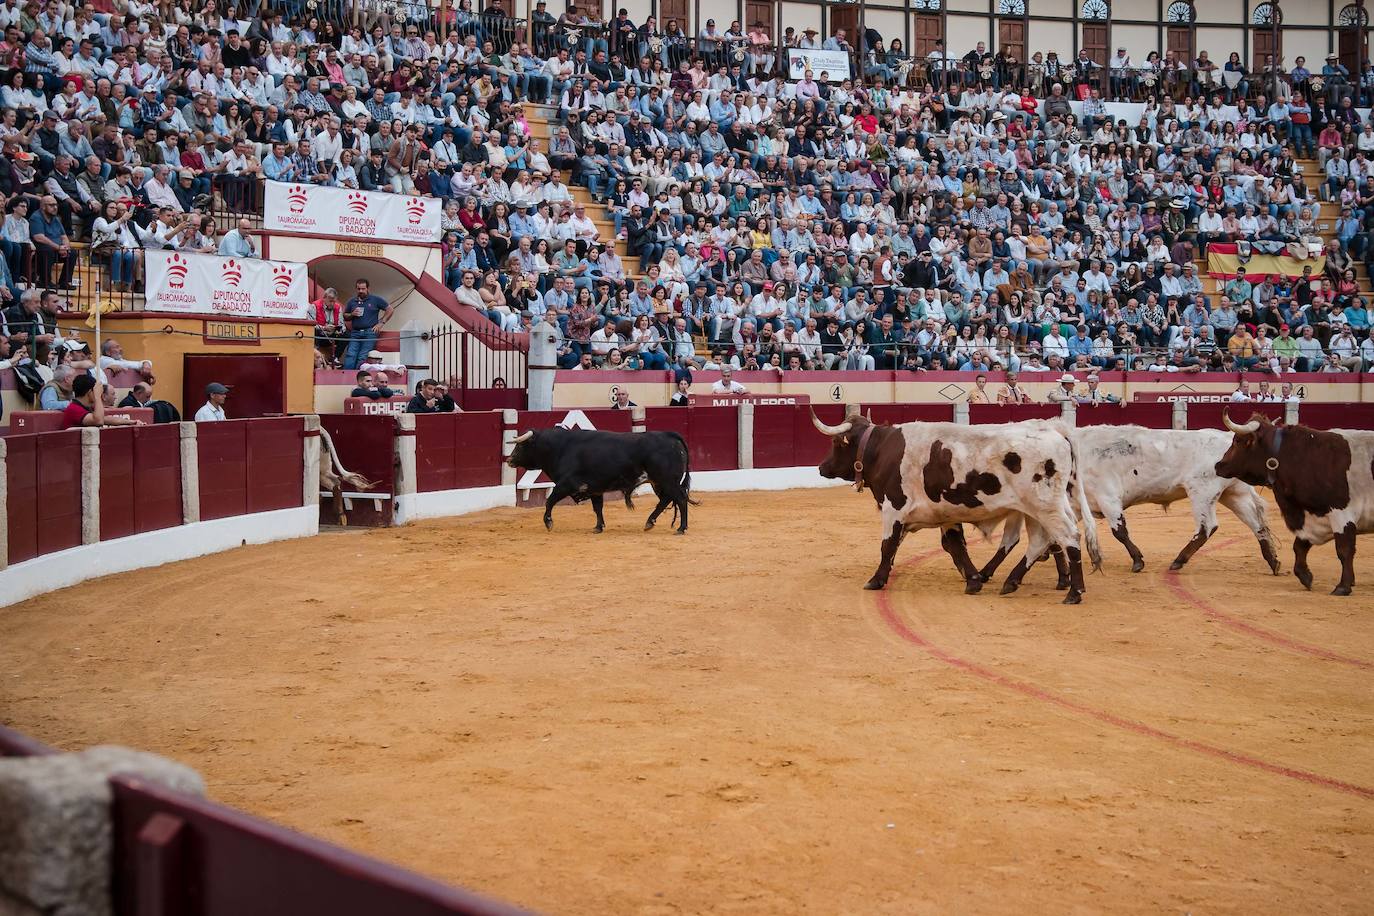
1025, 688
1171, 579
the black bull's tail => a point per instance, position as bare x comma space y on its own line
686, 473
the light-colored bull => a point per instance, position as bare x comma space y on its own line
333, 475
1125, 466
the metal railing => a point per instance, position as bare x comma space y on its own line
484, 368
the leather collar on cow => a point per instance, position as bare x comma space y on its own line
1272, 465
859, 458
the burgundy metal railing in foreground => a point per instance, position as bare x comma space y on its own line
176, 855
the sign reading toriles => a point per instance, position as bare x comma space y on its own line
364, 215
207, 284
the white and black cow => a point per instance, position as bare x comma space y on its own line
941, 475
1125, 466
1323, 482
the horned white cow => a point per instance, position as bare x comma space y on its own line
940, 475
1125, 466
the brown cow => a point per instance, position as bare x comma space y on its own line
940, 475
1323, 482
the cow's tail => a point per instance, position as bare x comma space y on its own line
1085, 512
686, 468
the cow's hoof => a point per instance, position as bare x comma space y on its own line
648, 526
1061, 585
973, 586
1009, 587
548, 524
680, 531
1173, 567
1276, 569
1073, 598
598, 529
1137, 566
1305, 577
875, 584
1341, 590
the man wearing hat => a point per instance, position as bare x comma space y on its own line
1063, 392
213, 408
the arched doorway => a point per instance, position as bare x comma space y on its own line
1011, 28
1095, 36
1353, 44
1266, 43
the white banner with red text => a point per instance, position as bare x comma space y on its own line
206, 284
363, 215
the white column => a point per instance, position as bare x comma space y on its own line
310, 474
4, 506
1069, 412
90, 485
509, 421
190, 475
961, 412
1180, 414
405, 456
637, 420
414, 353
746, 436
1290, 412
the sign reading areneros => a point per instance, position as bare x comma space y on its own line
207, 284
363, 215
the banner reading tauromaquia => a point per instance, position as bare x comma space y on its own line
206, 284
365, 215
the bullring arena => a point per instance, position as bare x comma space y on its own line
637, 723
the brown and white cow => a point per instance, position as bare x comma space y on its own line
333, 475
941, 475
1323, 482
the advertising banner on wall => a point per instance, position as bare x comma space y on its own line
369, 215
206, 284
834, 63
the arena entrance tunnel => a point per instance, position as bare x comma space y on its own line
388, 280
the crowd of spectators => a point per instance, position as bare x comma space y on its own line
961, 210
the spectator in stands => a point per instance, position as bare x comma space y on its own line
429, 397
139, 396
238, 242
52, 244
212, 410
57, 393
112, 357
726, 383
1063, 392
87, 406
367, 387
365, 314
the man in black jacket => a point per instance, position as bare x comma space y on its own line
368, 388
430, 399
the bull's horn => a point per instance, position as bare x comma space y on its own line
1235, 427
524, 436
831, 430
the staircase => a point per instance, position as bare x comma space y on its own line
543, 120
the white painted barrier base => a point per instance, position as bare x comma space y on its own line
761, 479
442, 503
152, 548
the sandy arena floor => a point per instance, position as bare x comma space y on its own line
638, 723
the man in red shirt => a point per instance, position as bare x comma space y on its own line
88, 409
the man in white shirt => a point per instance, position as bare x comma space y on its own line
1054, 344
726, 385
213, 408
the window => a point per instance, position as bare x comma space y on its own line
1264, 15
1011, 7
1179, 12
1094, 9
1353, 15
929, 6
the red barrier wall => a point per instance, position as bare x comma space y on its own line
250, 466
616, 421
996, 413
21, 508
1159, 415
1332, 416
366, 445
59, 491
457, 450
140, 479
1208, 416
907, 413
712, 433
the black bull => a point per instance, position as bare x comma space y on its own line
587, 463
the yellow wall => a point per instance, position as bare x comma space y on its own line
166, 351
